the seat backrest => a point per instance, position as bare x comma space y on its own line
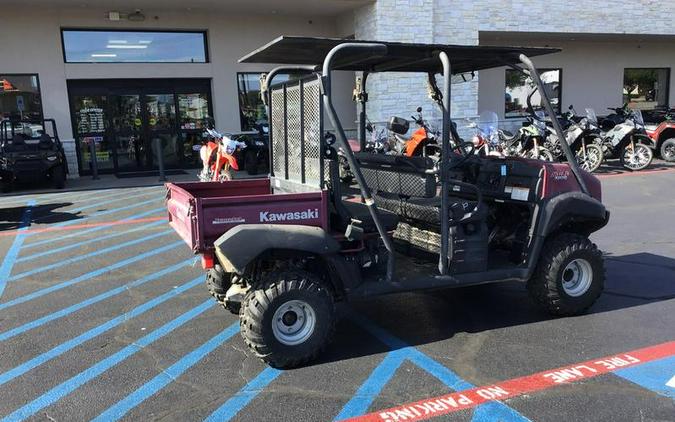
397, 174
46, 142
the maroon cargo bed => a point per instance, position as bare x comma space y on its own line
200, 212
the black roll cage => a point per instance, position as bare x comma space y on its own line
350, 54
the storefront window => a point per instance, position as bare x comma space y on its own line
646, 89
194, 111
252, 111
520, 86
102, 46
20, 102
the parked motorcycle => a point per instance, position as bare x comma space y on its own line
627, 140
217, 157
529, 141
663, 136
486, 138
582, 137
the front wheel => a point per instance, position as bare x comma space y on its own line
668, 150
570, 275
590, 157
288, 319
543, 154
636, 158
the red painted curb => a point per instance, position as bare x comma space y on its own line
82, 226
443, 405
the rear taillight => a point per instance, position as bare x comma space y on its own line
208, 261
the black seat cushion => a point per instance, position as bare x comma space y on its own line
359, 211
428, 210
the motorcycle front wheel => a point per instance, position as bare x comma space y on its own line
637, 158
591, 159
542, 154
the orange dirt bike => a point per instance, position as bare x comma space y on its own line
422, 142
217, 157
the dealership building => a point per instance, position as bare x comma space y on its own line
122, 74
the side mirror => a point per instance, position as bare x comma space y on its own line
571, 107
419, 109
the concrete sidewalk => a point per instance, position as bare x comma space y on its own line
110, 181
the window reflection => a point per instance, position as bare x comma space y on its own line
519, 87
194, 111
646, 89
91, 46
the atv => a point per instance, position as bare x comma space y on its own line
24, 158
663, 136
282, 251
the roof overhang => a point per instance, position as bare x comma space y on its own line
399, 57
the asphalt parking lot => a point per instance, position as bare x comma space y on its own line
104, 315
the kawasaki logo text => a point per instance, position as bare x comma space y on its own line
266, 216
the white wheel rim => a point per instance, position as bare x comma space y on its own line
669, 151
577, 277
293, 322
636, 158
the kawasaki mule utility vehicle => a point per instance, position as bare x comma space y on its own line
283, 251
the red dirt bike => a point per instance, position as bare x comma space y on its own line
663, 136
217, 157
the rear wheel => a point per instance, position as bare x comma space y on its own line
637, 157
569, 277
668, 150
59, 177
288, 319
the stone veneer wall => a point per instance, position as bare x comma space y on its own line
459, 22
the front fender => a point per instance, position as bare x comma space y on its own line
574, 210
241, 245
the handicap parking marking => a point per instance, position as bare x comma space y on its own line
657, 376
13, 252
662, 356
385, 371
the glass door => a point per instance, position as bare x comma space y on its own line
127, 128
160, 118
91, 125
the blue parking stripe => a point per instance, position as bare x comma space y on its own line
13, 252
166, 377
67, 387
87, 276
657, 376
95, 332
382, 374
372, 386
43, 268
93, 229
86, 242
240, 400
98, 298
114, 195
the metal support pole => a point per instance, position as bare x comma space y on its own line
160, 159
92, 154
363, 99
445, 162
373, 49
574, 166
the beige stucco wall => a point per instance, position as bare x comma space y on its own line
592, 72
31, 43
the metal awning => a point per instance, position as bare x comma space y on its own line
400, 57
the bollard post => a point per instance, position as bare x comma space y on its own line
94, 164
160, 159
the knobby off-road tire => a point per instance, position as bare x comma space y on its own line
567, 258
218, 289
284, 301
59, 177
668, 150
